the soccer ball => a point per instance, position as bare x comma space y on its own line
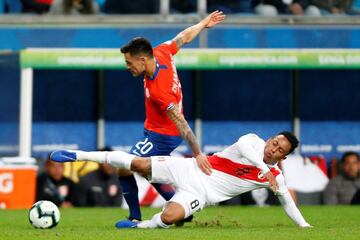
44, 214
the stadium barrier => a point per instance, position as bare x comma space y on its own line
189, 59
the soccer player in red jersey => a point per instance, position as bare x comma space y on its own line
165, 125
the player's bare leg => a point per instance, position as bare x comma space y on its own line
173, 213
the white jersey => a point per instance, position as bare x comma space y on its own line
239, 168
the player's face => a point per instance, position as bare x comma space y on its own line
276, 149
135, 64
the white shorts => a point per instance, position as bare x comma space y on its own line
182, 173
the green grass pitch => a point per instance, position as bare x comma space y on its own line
330, 222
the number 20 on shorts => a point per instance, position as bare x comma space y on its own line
143, 147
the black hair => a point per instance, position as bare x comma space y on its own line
138, 46
292, 139
347, 154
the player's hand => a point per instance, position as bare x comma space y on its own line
213, 18
273, 183
203, 164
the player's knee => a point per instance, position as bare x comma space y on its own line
173, 213
124, 172
141, 165
168, 218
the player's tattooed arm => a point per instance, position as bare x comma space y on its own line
179, 42
184, 129
188, 135
191, 32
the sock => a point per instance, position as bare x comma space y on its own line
130, 193
98, 157
156, 222
165, 191
115, 158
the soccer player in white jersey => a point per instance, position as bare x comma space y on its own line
248, 164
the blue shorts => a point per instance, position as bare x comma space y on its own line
155, 144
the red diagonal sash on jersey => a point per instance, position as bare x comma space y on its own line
239, 170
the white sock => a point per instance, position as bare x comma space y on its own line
98, 157
117, 159
157, 222
120, 159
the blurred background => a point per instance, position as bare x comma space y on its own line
90, 109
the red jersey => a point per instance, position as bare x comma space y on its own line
162, 91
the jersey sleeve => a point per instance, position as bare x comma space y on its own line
169, 46
165, 97
288, 203
245, 145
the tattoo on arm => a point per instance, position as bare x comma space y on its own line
184, 129
179, 42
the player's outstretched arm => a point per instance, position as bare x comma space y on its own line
188, 135
288, 203
190, 33
292, 211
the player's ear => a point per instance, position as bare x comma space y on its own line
143, 59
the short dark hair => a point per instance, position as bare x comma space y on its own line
138, 46
347, 154
292, 139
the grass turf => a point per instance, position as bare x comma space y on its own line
330, 222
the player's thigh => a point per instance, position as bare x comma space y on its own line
148, 146
190, 202
171, 170
143, 148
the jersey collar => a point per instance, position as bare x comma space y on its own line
157, 69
